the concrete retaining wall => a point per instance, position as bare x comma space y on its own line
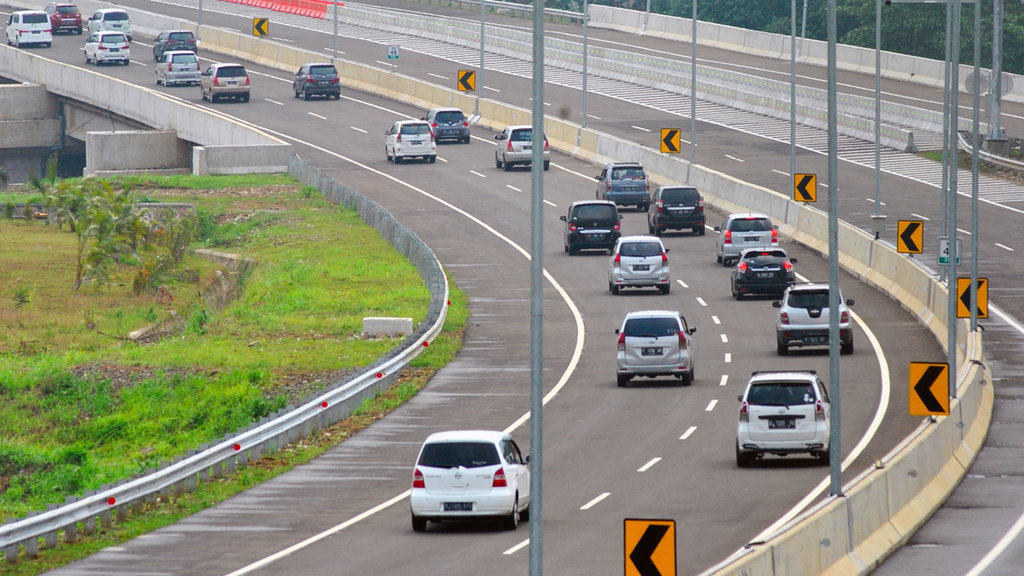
141, 149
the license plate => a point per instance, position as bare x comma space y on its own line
527, 148
751, 238
458, 506
651, 351
641, 267
450, 132
816, 340
782, 424
766, 275
115, 49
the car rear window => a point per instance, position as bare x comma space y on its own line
416, 129
455, 454
67, 9
766, 256
180, 36
524, 135
680, 195
231, 72
751, 225
183, 58
808, 299
651, 327
116, 38
628, 174
325, 70
115, 16
781, 394
594, 212
41, 18
450, 116
640, 249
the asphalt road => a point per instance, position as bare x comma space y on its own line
597, 437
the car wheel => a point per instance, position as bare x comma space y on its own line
524, 516
573, 250
507, 166
305, 94
846, 347
622, 379
824, 457
213, 97
158, 80
47, 44
337, 96
433, 159
397, 158
497, 162
511, 522
699, 230
79, 31
614, 288
547, 163
744, 459
665, 289
419, 524
736, 294
86, 54
718, 258
684, 379
782, 348
245, 98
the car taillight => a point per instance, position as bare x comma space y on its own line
246, 80
509, 147
465, 123
309, 78
819, 411
660, 206
216, 81
170, 66
788, 266
433, 125
617, 226
335, 80
844, 317
784, 318
417, 479
617, 260
682, 340
775, 236
545, 143
101, 47
622, 342
431, 135
499, 479
742, 267
664, 258
399, 137
727, 237
744, 412
572, 227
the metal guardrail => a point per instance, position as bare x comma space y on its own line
237, 450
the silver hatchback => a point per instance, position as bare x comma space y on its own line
177, 67
655, 343
639, 262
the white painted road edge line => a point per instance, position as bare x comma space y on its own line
595, 501
516, 548
650, 463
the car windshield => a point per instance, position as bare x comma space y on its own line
415, 129
449, 117
231, 71
680, 195
808, 299
184, 58
459, 454
640, 249
651, 327
627, 174
594, 212
35, 18
116, 16
751, 225
781, 394
326, 70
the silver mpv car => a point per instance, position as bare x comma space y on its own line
515, 146
639, 262
655, 343
177, 67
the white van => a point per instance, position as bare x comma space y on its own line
111, 20
29, 27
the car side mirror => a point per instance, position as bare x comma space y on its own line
718, 228
616, 331
849, 302
775, 226
526, 459
667, 250
598, 177
739, 398
793, 260
777, 304
692, 330
499, 136
562, 218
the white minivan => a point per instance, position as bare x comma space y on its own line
29, 27
111, 20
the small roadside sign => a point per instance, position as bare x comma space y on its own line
910, 237
929, 389
261, 26
650, 547
392, 51
670, 140
963, 301
805, 187
944, 250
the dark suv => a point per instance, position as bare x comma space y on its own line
448, 124
676, 208
624, 183
317, 79
169, 40
591, 225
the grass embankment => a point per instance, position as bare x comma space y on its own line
81, 406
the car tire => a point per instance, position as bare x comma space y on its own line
846, 348
86, 53
245, 98
79, 31
305, 95
511, 522
718, 258
396, 158
698, 230
825, 457
665, 289
622, 379
782, 348
507, 166
546, 164
524, 516
573, 250
419, 524
736, 294
497, 162
158, 80
432, 159
744, 459
614, 288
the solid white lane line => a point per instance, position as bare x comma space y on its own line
688, 433
274, 102
728, 357
317, 115
359, 129
437, 76
512, 187
595, 501
919, 217
716, 320
516, 548
641, 128
683, 284
711, 405
725, 339
724, 380
647, 466
730, 157
1004, 247
475, 173
701, 302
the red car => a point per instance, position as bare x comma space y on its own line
64, 18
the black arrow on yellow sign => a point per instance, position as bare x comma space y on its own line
805, 187
650, 547
669, 140
260, 26
963, 305
910, 239
467, 80
929, 389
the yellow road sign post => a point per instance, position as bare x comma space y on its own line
929, 389
910, 236
963, 301
670, 140
805, 187
260, 26
650, 547
467, 81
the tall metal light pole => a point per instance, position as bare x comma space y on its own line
335, 30
586, 53
693, 89
878, 107
996, 90
792, 88
537, 297
954, 140
835, 443
975, 144
480, 72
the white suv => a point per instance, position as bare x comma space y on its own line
783, 413
803, 318
639, 262
111, 20
655, 343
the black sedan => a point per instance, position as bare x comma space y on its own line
762, 271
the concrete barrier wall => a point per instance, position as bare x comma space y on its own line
124, 150
26, 102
